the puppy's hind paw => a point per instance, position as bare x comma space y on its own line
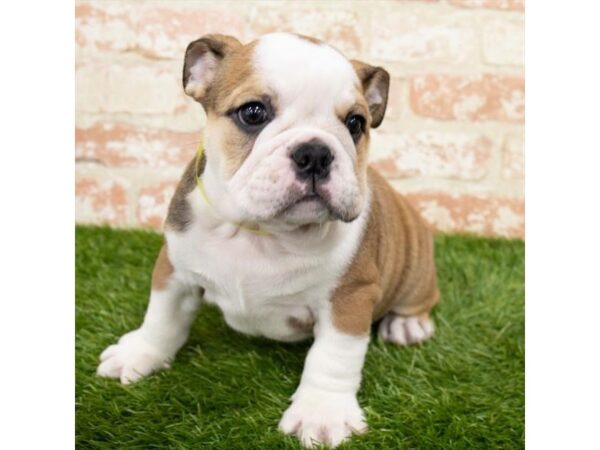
405, 330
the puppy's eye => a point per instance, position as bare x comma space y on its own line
356, 125
253, 114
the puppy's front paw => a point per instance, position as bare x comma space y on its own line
132, 358
319, 417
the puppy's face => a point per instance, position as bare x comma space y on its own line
288, 121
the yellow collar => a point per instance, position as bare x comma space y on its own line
253, 228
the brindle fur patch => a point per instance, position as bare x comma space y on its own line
179, 216
213, 49
374, 78
234, 78
394, 268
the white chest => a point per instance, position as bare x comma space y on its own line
262, 285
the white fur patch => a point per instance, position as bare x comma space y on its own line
314, 78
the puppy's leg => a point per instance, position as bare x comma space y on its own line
324, 408
165, 329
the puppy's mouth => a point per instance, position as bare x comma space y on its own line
312, 197
308, 207
312, 207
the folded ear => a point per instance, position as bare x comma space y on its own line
375, 83
202, 59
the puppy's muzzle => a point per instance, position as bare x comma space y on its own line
312, 161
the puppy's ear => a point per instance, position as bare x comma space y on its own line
375, 83
202, 59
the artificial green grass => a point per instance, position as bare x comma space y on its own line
464, 389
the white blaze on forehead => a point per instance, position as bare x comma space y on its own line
310, 76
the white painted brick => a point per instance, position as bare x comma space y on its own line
504, 42
422, 35
135, 89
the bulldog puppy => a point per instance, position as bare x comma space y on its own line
281, 223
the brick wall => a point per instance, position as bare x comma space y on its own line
452, 140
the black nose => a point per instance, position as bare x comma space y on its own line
312, 160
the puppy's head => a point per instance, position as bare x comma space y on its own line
288, 121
